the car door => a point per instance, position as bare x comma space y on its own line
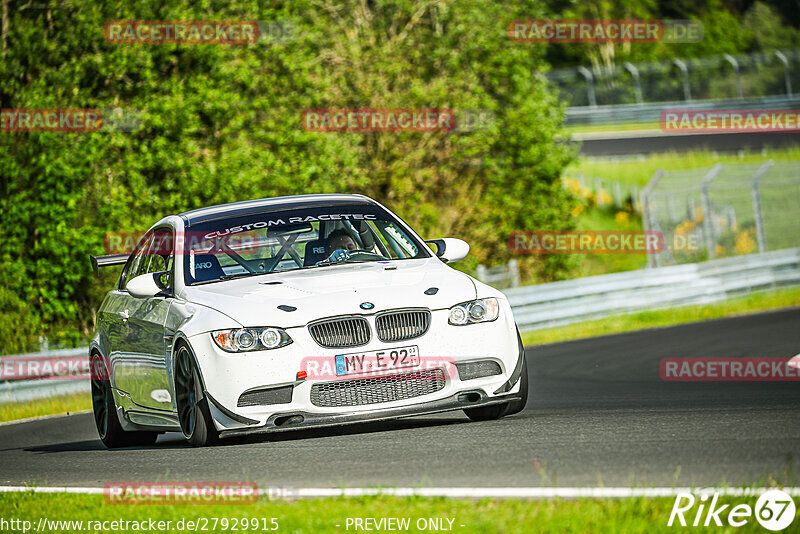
143, 372
116, 314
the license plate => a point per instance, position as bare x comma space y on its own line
377, 361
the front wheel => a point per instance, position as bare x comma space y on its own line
105, 411
193, 413
487, 413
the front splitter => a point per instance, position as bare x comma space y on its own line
287, 421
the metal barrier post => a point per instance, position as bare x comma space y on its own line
637, 87
587, 74
708, 227
735, 64
648, 217
786, 77
762, 241
687, 94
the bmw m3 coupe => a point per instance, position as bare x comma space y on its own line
295, 312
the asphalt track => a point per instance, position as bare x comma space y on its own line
646, 142
599, 415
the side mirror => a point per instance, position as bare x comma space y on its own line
147, 285
450, 249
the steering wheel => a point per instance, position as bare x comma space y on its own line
362, 251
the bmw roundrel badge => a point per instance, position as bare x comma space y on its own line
367, 305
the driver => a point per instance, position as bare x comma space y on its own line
338, 246
340, 239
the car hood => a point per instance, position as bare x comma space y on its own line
335, 290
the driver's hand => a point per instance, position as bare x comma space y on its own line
339, 254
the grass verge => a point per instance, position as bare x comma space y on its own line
323, 515
75, 402
619, 127
756, 302
639, 171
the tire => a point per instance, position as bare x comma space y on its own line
489, 413
105, 412
193, 413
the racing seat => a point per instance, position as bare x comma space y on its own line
314, 252
206, 267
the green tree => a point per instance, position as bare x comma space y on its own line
223, 123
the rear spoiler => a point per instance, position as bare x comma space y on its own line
105, 261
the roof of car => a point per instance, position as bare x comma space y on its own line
266, 205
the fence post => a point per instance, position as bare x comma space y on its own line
617, 194
786, 77
587, 75
648, 217
760, 237
735, 64
482, 274
687, 93
637, 87
513, 272
708, 228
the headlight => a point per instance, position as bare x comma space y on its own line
247, 339
474, 311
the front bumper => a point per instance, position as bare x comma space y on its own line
295, 420
227, 376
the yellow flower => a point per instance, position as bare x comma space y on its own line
622, 218
577, 210
720, 250
603, 198
745, 244
698, 214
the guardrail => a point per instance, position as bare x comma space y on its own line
537, 306
500, 275
596, 297
72, 364
651, 112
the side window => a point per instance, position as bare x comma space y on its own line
160, 255
135, 263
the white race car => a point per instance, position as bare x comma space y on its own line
291, 313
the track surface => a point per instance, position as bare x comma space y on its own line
618, 144
598, 415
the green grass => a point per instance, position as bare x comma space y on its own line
757, 302
639, 171
55, 405
621, 127
322, 515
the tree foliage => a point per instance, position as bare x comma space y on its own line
221, 123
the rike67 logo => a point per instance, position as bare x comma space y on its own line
774, 510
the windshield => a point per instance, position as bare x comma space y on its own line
295, 239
